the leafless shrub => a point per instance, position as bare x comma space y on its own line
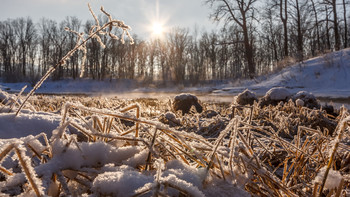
287, 61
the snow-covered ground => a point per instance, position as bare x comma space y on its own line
324, 76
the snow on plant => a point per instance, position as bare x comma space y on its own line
120, 150
9, 101
94, 32
18, 147
333, 180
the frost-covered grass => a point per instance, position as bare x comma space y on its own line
140, 147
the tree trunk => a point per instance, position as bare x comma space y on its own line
317, 25
327, 29
24, 60
248, 52
336, 29
284, 19
300, 55
345, 26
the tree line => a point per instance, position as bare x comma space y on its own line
255, 39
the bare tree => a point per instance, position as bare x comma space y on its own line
333, 5
282, 6
26, 33
327, 28
58, 37
241, 12
163, 61
44, 46
177, 44
301, 18
211, 50
317, 25
152, 55
271, 35
9, 47
223, 55
74, 24
345, 3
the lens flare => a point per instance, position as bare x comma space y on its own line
158, 29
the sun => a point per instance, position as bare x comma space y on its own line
157, 29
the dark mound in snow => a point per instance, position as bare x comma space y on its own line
184, 102
209, 114
246, 98
309, 99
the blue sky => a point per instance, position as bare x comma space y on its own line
139, 14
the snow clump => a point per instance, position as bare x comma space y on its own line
170, 119
278, 94
299, 103
274, 96
246, 98
333, 179
5, 97
119, 183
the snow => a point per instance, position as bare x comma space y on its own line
27, 123
324, 76
120, 183
278, 94
124, 181
299, 103
333, 179
246, 97
303, 95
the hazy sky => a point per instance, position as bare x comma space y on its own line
139, 14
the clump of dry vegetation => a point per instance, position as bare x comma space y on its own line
269, 151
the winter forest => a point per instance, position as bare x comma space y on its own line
258, 106
257, 38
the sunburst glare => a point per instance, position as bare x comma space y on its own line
158, 29
157, 22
